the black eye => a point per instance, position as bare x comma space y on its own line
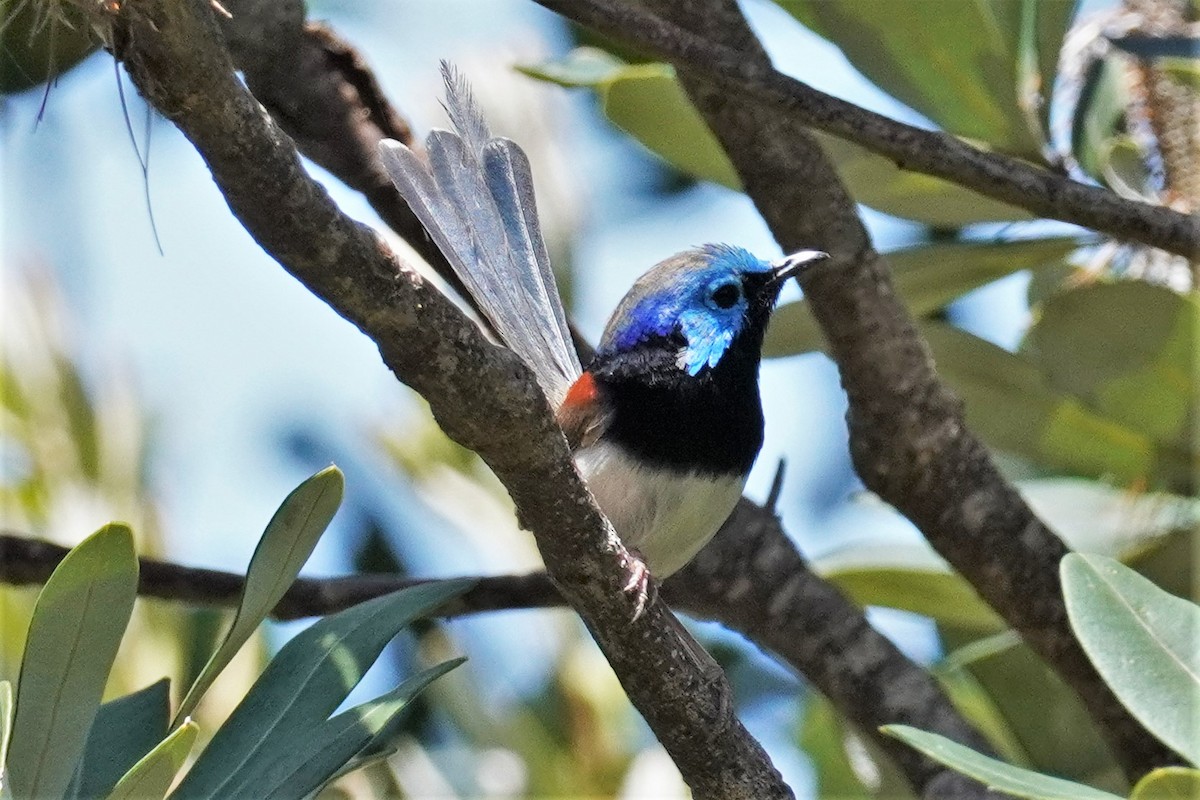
726, 295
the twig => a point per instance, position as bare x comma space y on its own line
750, 578
930, 152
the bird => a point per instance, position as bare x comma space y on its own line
665, 421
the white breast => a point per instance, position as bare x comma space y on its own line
666, 515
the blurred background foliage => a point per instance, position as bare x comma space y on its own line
1087, 396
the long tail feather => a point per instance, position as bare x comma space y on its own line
475, 198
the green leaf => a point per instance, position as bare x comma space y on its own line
823, 742
912, 578
151, 777
303, 684
956, 63
306, 767
1035, 706
6, 714
125, 729
927, 278
77, 625
997, 775
1144, 642
977, 706
1184, 71
285, 545
647, 102
1009, 404
1099, 115
1168, 783
1127, 349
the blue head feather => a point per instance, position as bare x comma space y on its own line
698, 293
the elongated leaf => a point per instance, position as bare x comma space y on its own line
927, 278
1144, 642
824, 744
285, 545
151, 777
1009, 404
306, 767
957, 63
647, 102
77, 625
125, 729
303, 684
6, 715
1168, 783
995, 774
1027, 694
1184, 71
1099, 114
1127, 349
912, 578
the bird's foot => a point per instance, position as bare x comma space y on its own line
639, 585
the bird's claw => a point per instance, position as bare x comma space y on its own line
639, 584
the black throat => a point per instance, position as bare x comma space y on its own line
710, 423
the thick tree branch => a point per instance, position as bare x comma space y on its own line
930, 152
907, 436
172, 54
323, 95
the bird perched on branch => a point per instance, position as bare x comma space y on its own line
665, 421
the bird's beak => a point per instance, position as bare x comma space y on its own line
794, 264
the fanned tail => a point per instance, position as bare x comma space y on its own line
475, 198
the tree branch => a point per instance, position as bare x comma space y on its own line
929, 152
749, 578
171, 51
907, 436
321, 92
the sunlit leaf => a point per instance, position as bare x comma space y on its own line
125, 730
912, 578
77, 625
1142, 641
152, 776
303, 684
927, 278
1168, 783
925, 57
285, 545
997, 775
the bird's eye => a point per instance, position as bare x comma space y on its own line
726, 295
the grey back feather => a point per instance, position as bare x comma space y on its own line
475, 197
